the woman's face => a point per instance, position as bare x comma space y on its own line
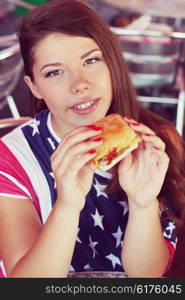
70, 74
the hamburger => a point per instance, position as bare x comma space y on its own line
119, 139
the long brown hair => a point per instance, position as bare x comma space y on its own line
72, 17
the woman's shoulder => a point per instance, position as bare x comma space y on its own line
14, 136
15, 143
18, 136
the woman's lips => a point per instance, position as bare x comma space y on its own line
85, 108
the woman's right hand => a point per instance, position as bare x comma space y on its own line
73, 167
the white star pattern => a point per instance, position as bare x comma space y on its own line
52, 175
98, 219
92, 246
170, 227
117, 236
114, 259
99, 188
87, 267
71, 269
34, 124
2, 268
77, 239
125, 206
51, 143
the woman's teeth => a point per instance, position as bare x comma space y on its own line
84, 106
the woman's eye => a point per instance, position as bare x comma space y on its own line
92, 60
54, 73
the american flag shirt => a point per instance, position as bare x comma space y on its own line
25, 172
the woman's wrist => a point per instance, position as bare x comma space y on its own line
63, 208
135, 207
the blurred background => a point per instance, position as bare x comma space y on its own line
152, 36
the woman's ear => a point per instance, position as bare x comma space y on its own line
32, 87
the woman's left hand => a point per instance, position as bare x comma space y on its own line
142, 172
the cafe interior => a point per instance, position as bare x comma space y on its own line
152, 36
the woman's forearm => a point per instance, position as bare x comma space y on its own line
51, 254
144, 253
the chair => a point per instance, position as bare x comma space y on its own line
153, 63
11, 67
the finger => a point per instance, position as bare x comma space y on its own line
154, 140
75, 151
90, 165
75, 131
141, 128
138, 127
125, 164
78, 135
70, 140
85, 174
147, 148
129, 119
75, 167
162, 156
79, 162
81, 129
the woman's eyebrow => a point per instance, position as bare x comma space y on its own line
90, 52
59, 64
51, 65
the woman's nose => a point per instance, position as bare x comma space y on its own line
79, 85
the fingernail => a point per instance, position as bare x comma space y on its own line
135, 124
98, 139
93, 151
93, 127
97, 128
128, 118
90, 126
147, 134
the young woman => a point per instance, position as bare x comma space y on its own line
58, 213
